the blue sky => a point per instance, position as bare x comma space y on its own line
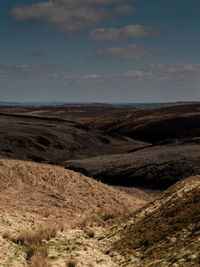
100, 50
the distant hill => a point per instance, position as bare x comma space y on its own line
131, 105
156, 167
53, 140
174, 122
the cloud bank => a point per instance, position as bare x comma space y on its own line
131, 51
68, 15
126, 33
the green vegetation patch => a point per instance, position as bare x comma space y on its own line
61, 246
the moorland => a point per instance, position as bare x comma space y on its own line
100, 185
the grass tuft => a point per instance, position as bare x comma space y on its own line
100, 217
32, 240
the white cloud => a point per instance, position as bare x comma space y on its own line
128, 32
90, 79
131, 51
175, 73
157, 82
67, 15
137, 74
90, 76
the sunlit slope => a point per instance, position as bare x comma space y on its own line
167, 231
56, 193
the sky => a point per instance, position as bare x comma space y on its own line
100, 50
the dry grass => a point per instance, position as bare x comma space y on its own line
173, 228
37, 255
89, 232
56, 193
44, 232
35, 249
101, 217
71, 263
32, 240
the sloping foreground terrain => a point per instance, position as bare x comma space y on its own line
55, 141
38, 202
56, 193
165, 232
155, 167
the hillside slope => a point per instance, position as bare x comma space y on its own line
55, 140
167, 231
155, 167
153, 126
46, 215
56, 193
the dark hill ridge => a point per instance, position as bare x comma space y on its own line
177, 122
156, 167
53, 140
77, 112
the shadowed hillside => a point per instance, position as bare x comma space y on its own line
155, 167
74, 112
56, 140
177, 122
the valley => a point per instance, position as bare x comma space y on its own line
99, 186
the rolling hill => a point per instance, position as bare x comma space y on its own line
167, 231
52, 140
176, 123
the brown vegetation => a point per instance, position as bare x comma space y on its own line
167, 227
71, 263
78, 113
54, 193
36, 253
155, 167
115, 226
175, 122
54, 141
101, 217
